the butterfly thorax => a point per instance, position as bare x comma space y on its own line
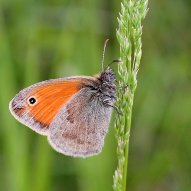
107, 88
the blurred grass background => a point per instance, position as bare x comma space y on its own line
50, 39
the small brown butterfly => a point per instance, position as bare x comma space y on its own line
73, 112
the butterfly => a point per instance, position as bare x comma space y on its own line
73, 112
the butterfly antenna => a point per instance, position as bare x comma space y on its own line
105, 44
118, 61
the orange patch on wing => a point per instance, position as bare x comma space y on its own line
50, 98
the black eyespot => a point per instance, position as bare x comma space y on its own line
32, 100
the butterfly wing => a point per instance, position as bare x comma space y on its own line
81, 125
37, 105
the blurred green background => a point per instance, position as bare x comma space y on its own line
55, 38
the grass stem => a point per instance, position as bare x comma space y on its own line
129, 35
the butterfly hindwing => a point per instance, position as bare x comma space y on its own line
80, 126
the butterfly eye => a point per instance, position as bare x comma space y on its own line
31, 100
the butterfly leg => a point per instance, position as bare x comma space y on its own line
107, 102
125, 86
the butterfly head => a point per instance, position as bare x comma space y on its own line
108, 76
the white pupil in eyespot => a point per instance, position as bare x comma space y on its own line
32, 100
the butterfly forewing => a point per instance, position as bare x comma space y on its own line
37, 105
